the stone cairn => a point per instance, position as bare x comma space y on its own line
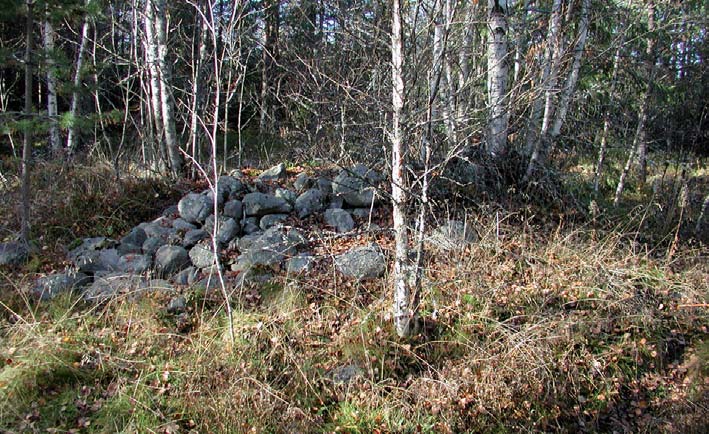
252, 235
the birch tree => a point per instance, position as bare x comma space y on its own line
544, 93
49, 37
639, 146
497, 79
151, 54
71, 141
199, 64
166, 104
27, 140
404, 307
573, 77
650, 71
271, 22
607, 113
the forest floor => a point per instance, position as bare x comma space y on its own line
554, 321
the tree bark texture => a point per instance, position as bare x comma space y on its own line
403, 310
27, 140
607, 117
650, 70
271, 22
54, 137
548, 81
72, 140
151, 53
573, 77
497, 80
171, 144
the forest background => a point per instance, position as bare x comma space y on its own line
571, 134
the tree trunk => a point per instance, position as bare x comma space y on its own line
573, 77
451, 94
640, 141
171, 145
151, 53
71, 141
269, 47
404, 310
628, 165
702, 214
607, 116
650, 68
548, 82
27, 143
54, 138
520, 48
497, 80
198, 89
464, 86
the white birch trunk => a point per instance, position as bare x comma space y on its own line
607, 117
497, 80
151, 53
551, 85
534, 139
197, 91
702, 214
520, 48
573, 77
403, 310
54, 138
650, 68
71, 141
27, 140
463, 88
171, 145
450, 103
271, 24
639, 135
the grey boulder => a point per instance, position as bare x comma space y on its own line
182, 225
260, 204
340, 219
310, 202
133, 263
193, 237
127, 248
452, 235
151, 245
251, 225
13, 253
356, 186
362, 263
271, 248
195, 208
161, 227
274, 173
202, 256
135, 237
300, 263
271, 220
286, 195
228, 228
302, 182
109, 285
48, 287
171, 259
234, 209
188, 276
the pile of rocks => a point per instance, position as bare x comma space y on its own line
246, 223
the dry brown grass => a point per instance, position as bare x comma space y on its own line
541, 326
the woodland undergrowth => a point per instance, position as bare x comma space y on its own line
550, 323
